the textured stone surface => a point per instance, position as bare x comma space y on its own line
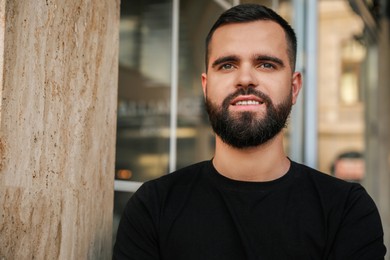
58, 66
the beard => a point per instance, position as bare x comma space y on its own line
245, 129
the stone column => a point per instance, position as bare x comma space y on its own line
58, 90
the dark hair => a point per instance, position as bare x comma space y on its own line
254, 12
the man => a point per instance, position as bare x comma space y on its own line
250, 201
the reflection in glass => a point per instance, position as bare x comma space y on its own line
144, 90
143, 95
195, 140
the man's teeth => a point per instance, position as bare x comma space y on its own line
247, 102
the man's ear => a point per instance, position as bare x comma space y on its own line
204, 84
296, 86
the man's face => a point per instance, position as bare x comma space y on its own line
249, 86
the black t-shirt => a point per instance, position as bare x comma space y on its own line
196, 213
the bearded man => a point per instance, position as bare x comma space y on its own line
250, 201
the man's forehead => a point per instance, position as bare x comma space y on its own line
261, 36
260, 26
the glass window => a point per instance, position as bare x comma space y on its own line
352, 56
144, 90
195, 139
143, 97
145, 84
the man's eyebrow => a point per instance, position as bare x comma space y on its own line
230, 58
269, 58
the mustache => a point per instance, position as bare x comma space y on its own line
247, 91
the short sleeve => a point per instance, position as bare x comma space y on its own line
137, 233
360, 235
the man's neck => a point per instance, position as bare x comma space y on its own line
262, 163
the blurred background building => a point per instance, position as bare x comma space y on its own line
340, 124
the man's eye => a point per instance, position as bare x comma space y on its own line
267, 66
227, 66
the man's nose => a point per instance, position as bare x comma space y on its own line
246, 78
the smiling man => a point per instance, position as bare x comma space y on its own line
250, 86
250, 201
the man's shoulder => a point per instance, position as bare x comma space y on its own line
181, 177
353, 219
185, 173
306, 172
325, 184
169, 193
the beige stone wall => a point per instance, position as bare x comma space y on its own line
341, 127
58, 89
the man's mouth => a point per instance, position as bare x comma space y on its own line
249, 100
247, 103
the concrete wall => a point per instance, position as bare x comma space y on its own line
377, 95
58, 89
